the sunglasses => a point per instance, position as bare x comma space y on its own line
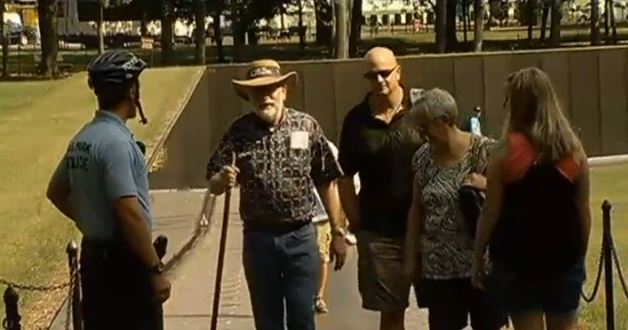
372, 75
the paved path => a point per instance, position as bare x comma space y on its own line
193, 282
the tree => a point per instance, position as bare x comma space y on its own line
217, 8
555, 23
199, 32
340, 10
5, 42
46, 10
441, 25
356, 27
167, 20
324, 13
478, 11
99, 26
595, 22
244, 14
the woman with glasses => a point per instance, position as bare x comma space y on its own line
439, 243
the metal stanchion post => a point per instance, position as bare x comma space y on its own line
75, 284
13, 318
608, 265
161, 245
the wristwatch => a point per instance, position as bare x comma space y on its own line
157, 269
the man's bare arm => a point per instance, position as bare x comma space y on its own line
135, 230
331, 201
59, 194
349, 200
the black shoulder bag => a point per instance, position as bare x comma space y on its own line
471, 198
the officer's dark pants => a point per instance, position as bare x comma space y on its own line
282, 272
117, 290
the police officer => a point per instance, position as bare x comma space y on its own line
102, 185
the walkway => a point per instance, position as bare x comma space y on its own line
193, 280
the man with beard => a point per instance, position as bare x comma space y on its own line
376, 144
278, 155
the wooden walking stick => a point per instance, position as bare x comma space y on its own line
221, 255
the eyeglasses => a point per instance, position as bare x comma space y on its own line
372, 75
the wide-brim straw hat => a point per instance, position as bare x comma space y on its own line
263, 73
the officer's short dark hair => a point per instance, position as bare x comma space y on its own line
112, 95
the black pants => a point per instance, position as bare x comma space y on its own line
451, 302
116, 290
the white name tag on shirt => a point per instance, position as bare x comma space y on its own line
299, 140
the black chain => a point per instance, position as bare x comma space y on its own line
30, 287
619, 272
596, 286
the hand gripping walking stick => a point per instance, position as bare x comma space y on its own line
221, 255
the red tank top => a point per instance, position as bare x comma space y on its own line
523, 155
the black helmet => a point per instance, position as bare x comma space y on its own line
116, 68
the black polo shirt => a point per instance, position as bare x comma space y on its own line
382, 154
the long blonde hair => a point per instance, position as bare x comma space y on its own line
536, 113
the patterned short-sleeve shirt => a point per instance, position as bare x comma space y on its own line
446, 247
279, 167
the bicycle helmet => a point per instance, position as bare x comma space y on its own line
117, 69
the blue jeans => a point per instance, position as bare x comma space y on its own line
282, 275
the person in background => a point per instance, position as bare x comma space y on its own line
536, 219
323, 231
473, 123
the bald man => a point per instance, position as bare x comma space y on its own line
375, 145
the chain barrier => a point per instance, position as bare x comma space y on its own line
34, 288
620, 274
598, 277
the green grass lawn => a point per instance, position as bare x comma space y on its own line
607, 183
36, 121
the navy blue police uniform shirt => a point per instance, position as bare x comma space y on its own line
102, 164
279, 168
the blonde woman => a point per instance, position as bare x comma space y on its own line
536, 219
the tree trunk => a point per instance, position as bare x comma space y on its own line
555, 24
340, 9
465, 20
166, 32
199, 19
452, 38
613, 26
544, 16
324, 22
301, 27
607, 5
531, 7
100, 27
5, 43
220, 51
440, 25
49, 42
144, 24
356, 27
478, 10
595, 22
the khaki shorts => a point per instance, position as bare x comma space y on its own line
380, 263
323, 233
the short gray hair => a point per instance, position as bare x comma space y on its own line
435, 103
